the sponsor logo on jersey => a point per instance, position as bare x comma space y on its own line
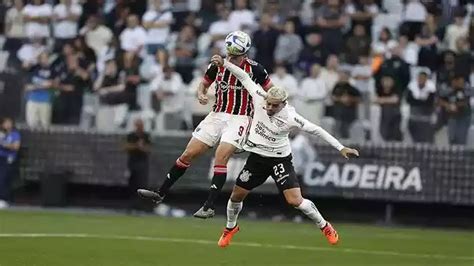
301, 123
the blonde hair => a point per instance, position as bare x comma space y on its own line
277, 93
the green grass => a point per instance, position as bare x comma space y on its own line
80, 239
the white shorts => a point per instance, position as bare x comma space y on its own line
228, 128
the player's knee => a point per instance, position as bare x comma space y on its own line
190, 154
238, 196
294, 201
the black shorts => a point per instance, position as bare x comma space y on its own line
258, 168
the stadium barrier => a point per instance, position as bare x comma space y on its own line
393, 172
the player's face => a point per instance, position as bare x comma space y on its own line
273, 106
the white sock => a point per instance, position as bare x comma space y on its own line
310, 210
233, 210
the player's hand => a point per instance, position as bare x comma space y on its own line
217, 60
348, 152
203, 99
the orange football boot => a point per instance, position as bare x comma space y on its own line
330, 233
226, 236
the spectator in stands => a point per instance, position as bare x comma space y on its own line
72, 81
37, 16
464, 57
312, 53
219, 29
346, 99
133, 38
413, 18
312, 93
273, 9
455, 31
421, 96
86, 54
242, 18
285, 80
397, 68
331, 20
264, 40
361, 78
14, 27
116, 19
59, 64
138, 147
10, 141
357, 45
112, 50
131, 63
157, 21
38, 94
409, 50
66, 18
456, 103
384, 43
361, 13
185, 52
389, 100
289, 46
97, 36
168, 89
446, 70
428, 53
109, 85
330, 74
29, 53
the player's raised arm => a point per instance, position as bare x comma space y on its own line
254, 89
311, 128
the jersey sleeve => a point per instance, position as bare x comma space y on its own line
260, 75
210, 75
255, 90
300, 122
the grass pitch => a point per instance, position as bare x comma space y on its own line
42, 238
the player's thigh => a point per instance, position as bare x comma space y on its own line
209, 130
283, 173
236, 130
253, 174
194, 149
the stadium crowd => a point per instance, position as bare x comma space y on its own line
371, 70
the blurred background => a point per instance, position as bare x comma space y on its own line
77, 76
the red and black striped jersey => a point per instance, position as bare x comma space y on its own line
231, 96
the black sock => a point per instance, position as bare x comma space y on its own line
178, 170
218, 181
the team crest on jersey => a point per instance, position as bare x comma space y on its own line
223, 85
245, 176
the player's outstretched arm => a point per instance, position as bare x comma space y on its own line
254, 89
311, 128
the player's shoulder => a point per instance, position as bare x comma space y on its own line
293, 117
254, 64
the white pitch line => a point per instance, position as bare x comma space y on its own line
243, 244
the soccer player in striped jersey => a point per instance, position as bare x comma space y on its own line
226, 125
270, 153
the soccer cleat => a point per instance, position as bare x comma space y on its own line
151, 195
226, 236
330, 233
204, 213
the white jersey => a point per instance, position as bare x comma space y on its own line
268, 135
